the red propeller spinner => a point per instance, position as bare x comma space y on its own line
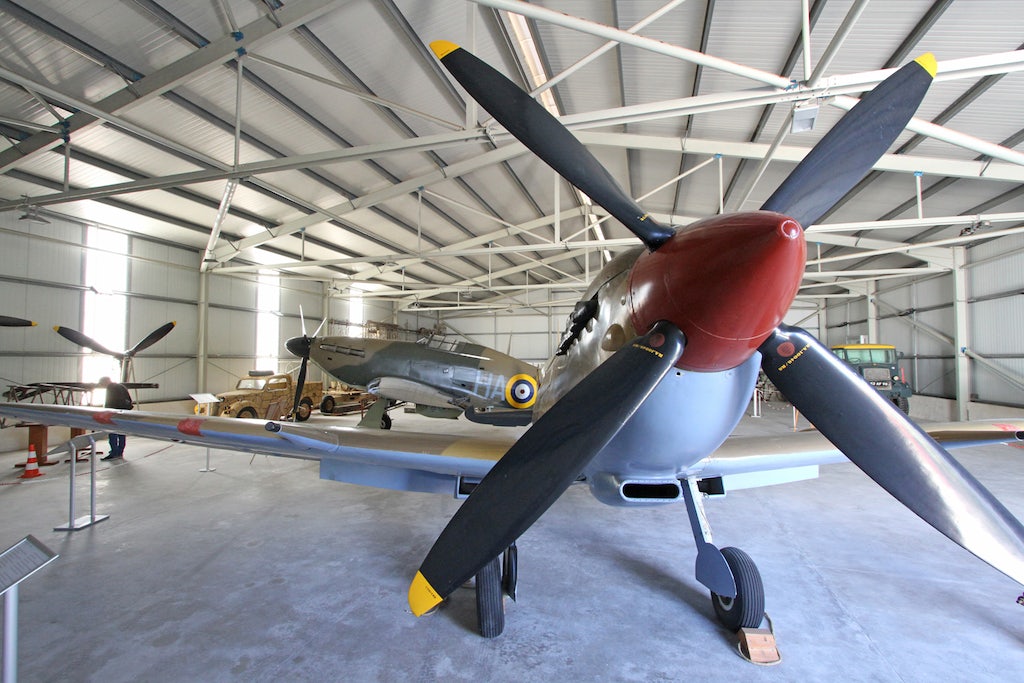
726, 282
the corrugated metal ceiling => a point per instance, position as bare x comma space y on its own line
326, 84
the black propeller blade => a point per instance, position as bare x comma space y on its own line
852, 146
8, 321
152, 338
300, 346
543, 463
536, 128
892, 450
123, 357
300, 384
76, 337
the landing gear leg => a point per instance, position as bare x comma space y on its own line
737, 592
493, 582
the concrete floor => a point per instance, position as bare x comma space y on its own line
260, 571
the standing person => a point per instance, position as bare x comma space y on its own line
119, 398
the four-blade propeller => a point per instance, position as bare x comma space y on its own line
554, 451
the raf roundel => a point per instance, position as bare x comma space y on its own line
521, 391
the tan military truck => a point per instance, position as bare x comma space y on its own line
267, 396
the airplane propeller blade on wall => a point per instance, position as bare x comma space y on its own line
151, 338
76, 337
8, 321
892, 450
543, 463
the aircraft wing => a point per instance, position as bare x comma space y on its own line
750, 461
388, 459
433, 462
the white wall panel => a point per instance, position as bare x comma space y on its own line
232, 291
525, 335
144, 316
163, 270
232, 333
1001, 266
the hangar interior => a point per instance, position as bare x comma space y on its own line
251, 168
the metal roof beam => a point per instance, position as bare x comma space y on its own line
202, 60
899, 163
906, 248
229, 251
625, 37
374, 151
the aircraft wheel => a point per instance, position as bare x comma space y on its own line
490, 606
304, 411
247, 413
746, 610
327, 405
385, 421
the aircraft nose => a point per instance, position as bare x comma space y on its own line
299, 346
726, 282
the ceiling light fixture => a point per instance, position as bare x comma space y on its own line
805, 115
31, 214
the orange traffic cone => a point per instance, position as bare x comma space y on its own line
32, 465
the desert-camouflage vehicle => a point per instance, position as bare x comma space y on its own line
266, 396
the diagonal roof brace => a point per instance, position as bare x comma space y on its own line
202, 60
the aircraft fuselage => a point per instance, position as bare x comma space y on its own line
725, 308
459, 375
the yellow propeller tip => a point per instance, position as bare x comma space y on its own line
56, 328
422, 596
33, 323
442, 48
928, 63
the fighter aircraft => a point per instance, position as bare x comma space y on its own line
443, 378
659, 365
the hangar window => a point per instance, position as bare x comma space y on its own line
268, 301
355, 313
104, 306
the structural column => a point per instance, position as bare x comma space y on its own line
961, 341
872, 312
202, 321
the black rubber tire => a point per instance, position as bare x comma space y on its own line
903, 404
746, 610
247, 413
327, 405
385, 421
304, 411
490, 606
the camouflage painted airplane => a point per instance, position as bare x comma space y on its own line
658, 366
443, 378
